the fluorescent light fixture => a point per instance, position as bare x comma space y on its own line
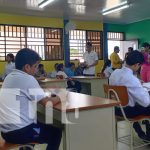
116, 8
45, 3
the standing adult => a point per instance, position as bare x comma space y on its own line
90, 60
145, 68
130, 49
115, 59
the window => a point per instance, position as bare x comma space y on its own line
78, 39
119, 36
46, 42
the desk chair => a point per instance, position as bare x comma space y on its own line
120, 94
9, 146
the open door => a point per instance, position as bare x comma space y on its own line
123, 47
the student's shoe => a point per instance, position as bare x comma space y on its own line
147, 126
144, 137
26, 148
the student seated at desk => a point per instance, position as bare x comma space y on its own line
18, 96
54, 72
41, 72
139, 99
72, 84
107, 69
70, 70
10, 64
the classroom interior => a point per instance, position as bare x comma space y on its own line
59, 33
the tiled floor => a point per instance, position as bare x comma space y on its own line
123, 129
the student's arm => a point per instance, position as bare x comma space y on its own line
54, 100
94, 64
140, 94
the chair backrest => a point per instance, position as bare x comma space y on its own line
113, 92
59, 76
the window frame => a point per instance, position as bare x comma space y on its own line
116, 39
25, 36
86, 40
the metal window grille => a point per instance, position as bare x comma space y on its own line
78, 39
46, 42
118, 36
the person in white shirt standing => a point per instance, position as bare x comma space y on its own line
90, 60
139, 99
10, 64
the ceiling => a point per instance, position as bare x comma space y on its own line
79, 9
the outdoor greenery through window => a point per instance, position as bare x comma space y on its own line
47, 42
78, 39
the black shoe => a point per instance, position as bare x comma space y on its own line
25, 148
144, 137
147, 126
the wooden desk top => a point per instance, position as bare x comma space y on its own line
51, 80
87, 77
84, 102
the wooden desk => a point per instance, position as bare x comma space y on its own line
92, 85
53, 83
95, 127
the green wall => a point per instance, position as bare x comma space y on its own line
117, 28
139, 30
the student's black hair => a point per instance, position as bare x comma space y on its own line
131, 48
134, 57
145, 44
107, 63
40, 66
59, 67
71, 64
12, 57
89, 44
26, 56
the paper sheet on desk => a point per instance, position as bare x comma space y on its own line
146, 85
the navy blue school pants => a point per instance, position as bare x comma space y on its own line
39, 132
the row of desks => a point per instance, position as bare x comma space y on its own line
90, 85
88, 122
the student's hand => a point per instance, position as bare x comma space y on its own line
141, 81
41, 78
55, 100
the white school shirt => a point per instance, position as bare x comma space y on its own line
62, 73
19, 95
90, 58
108, 71
9, 68
136, 92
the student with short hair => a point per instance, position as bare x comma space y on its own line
10, 64
54, 72
107, 68
139, 99
41, 71
18, 96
